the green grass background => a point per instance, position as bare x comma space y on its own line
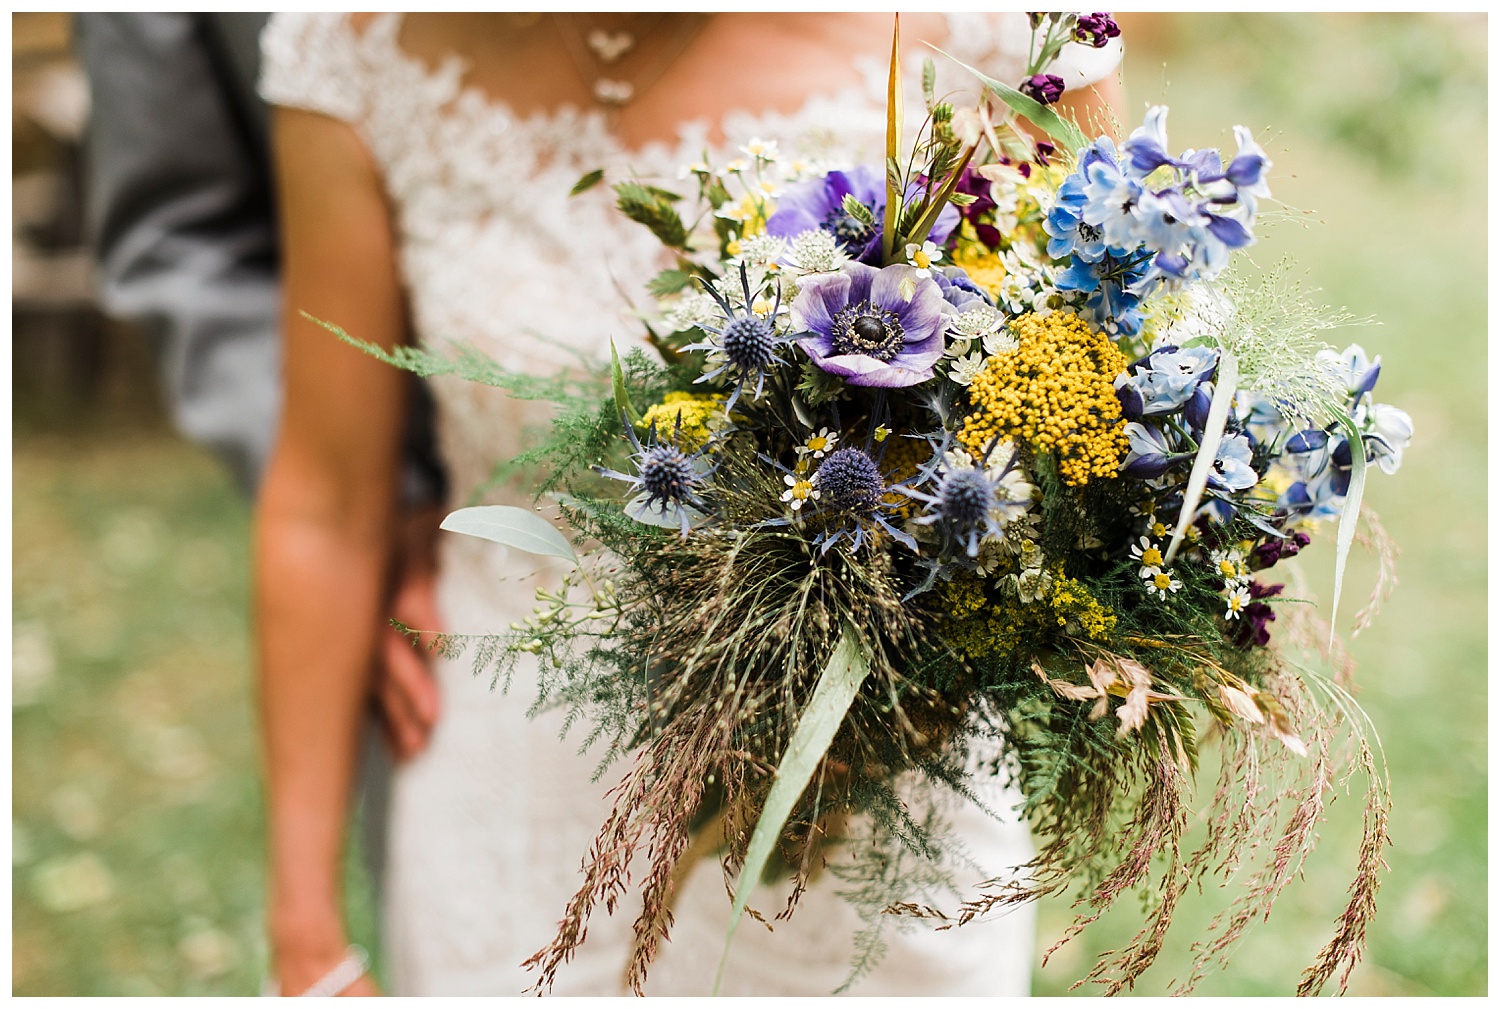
136, 811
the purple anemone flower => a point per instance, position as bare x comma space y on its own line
819, 203
861, 328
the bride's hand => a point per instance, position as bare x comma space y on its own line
405, 690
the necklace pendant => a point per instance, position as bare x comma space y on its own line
612, 92
610, 47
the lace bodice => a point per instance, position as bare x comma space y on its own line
493, 250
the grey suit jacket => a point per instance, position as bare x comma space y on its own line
181, 209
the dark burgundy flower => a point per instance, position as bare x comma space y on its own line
1251, 628
1095, 29
1044, 88
1271, 551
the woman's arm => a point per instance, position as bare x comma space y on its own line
324, 524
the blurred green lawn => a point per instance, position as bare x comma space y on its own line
137, 825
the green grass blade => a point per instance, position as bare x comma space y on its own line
1055, 126
840, 681
894, 115
617, 377
1208, 448
1350, 516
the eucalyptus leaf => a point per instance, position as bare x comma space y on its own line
1208, 448
520, 528
837, 686
1049, 122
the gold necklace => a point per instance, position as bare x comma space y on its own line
596, 52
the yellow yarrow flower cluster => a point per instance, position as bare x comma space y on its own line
977, 627
1055, 392
700, 414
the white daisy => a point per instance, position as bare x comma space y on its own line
1147, 553
799, 492
820, 444
1159, 583
1236, 603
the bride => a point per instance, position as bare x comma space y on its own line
424, 168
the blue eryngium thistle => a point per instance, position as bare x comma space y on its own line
972, 501
747, 340
853, 492
669, 481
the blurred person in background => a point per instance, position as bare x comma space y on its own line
181, 208
424, 166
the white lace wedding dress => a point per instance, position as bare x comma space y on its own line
489, 825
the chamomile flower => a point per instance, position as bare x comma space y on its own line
1236, 603
1230, 565
735, 166
923, 256
1159, 583
819, 445
799, 492
1156, 527
696, 168
1147, 553
761, 150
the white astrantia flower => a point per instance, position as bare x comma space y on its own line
1001, 341
762, 250
693, 309
975, 323
816, 251
965, 369
1236, 603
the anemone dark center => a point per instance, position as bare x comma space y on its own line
849, 231
666, 474
865, 329
850, 480
749, 342
964, 498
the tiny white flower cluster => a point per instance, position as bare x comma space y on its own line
762, 250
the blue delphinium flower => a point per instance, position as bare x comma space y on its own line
1231, 470
669, 480
870, 327
1142, 218
1165, 380
747, 341
819, 203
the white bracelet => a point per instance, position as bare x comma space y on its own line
347, 971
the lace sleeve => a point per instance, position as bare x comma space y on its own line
998, 44
311, 61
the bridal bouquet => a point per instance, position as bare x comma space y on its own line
985, 450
